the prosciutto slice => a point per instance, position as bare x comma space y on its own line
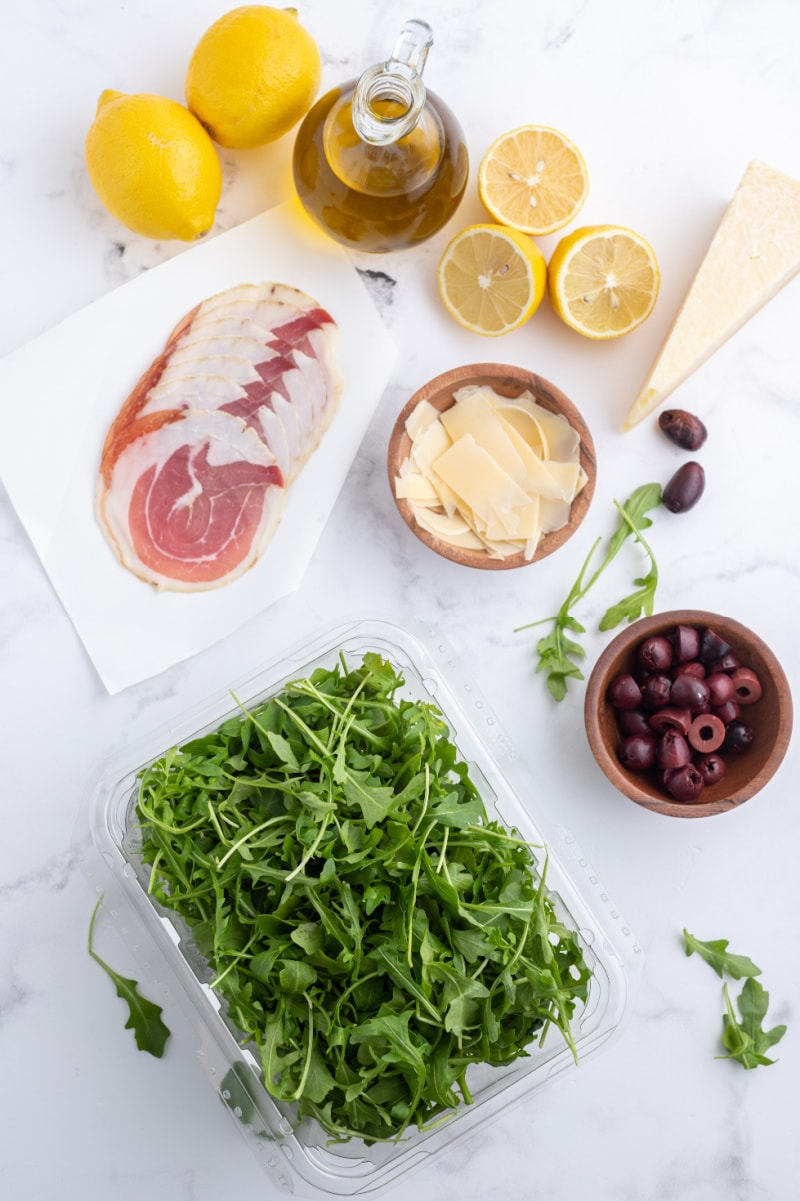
196, 465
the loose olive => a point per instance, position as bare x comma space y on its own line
682, 428
685, 488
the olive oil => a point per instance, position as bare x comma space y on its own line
381, 163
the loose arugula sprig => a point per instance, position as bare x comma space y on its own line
747, 1041
366, 925
145, 1018
717, 955
557, 651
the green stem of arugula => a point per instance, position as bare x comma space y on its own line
579, 590
640, 538
576, 592
298, 1092
92, 921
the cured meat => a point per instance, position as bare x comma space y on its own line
195, 466
192, 499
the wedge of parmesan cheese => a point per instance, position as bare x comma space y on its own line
753, 254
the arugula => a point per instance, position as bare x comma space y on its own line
365, 924
145, 1017
717, 955
557, 651
747, 1041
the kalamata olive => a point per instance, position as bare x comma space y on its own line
656, 690
706, 733
695, 668
726, 662
685, 488
720, 686
633, 721
689, 693
738, 737
746, 685
670, 718
712, 647
638, 752
673, 750
686, 640
727, 712
685, 784
711, 767
655, 654
624, 692
682, 428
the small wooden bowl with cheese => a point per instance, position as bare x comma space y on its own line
491, 466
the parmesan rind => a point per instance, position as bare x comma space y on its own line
753, 254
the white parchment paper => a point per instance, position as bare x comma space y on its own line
59, 393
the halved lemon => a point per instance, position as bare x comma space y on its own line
603, 280
533, 179
492, 279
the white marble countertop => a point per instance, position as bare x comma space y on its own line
668, 101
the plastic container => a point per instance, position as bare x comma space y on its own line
298, 1160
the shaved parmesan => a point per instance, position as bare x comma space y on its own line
490, 473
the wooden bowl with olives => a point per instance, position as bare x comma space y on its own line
688, 713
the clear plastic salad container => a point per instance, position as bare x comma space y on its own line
297, 1156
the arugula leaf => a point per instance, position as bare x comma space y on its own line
717, 955
370, 930
747, 1041
638, 603
145, 1017
557, 652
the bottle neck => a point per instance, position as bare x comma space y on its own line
386, 106
390, 97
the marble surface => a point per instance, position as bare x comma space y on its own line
668, 101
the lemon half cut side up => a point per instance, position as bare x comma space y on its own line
492, 279
533, 179
603, 280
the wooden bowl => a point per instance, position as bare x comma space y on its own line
511, 382
770, 717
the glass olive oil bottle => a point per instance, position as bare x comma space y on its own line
381, 163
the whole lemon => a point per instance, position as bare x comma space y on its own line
254, 73
153, 166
